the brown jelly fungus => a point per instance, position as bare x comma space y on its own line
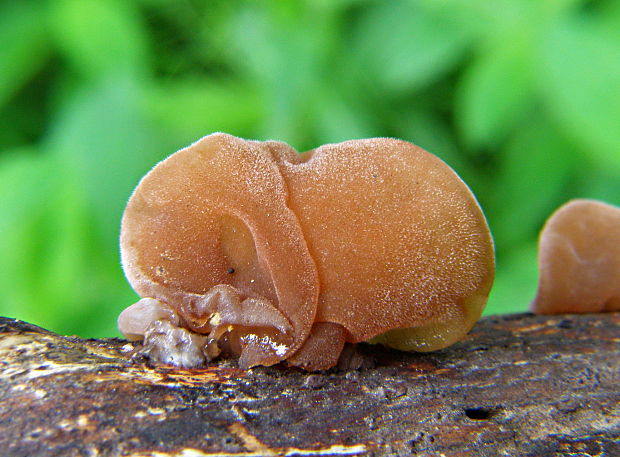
579, 259
371, 239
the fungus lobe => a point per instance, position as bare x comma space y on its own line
272, 255
579, 259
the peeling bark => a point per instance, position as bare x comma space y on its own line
517, 385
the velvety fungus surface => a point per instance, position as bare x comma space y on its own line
273, 255
579, 259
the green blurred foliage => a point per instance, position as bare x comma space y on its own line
521, 97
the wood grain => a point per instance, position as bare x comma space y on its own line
517, 385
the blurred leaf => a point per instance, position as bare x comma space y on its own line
610, 15
286, 64
339, 120
100, 36
404, 45
102, 134
23, 183
65, 248
495, 91
516, 281
81, 275
24, 46
188, 109
254, 44
504, 17
27, 188
339, 4
599, 183
431, 133
52, 270
533, 173
581, 84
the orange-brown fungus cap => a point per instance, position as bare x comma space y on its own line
377, 236
398, 239
579, 259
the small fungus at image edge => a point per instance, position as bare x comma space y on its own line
579, 259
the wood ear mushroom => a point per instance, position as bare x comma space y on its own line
250, 249
579, 259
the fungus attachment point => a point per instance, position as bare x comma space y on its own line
579, 260
249, 249
134, 321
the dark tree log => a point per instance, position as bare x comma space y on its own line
519, 385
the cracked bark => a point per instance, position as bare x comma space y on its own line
517, 385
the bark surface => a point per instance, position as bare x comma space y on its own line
517, 385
